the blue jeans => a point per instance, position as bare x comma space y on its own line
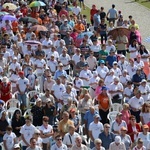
22, 98
91, 144
1, 140
24, 147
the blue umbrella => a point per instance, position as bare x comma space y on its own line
81, 35
9, 17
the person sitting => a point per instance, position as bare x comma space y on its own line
139, 145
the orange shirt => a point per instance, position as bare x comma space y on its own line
80, 27
103, 101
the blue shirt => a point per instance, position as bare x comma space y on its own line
97, 20
106, 140
89, 117
59, 73
110, 60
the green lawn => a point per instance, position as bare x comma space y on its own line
145, 3
87, 13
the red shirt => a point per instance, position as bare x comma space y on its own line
92, 13
63, 12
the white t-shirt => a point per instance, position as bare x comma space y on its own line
14, 66
91, 62
95, 48
55, 53
145, 90
117, 72
55, 147
23, 83
96, 129
131, 70
132, 54
125, 79
86, 74
58, 90
65, 60
40, 63
78, 83
76, 58
94, 80
145, 138
76, 10
128, 92
14, 77
9, 138
136, 103
28, 132
70, 140
146, 117
140, 64
108, 80
102, 71
123, 66
46, 131
52, 65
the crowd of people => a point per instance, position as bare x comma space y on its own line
66, 74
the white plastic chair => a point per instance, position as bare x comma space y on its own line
13, 103
27, 112
15, 95
116, 107
4, 104
30, 95
2, 146
112, 116
84, 137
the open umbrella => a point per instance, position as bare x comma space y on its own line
9, 17
37, 4
10, 5
115, 32
28, 19
3, 13
38, 28
32, 42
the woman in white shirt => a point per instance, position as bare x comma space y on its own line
46, 131
145, 114
133, 49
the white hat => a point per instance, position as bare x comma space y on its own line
118, 139
48, 100
36, 131
38, 100
15, 58
5, 79
143, 80
65, 20
16, 146
95, 73
114, 62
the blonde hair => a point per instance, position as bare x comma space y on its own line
125, 106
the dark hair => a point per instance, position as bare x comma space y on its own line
14, 115
141, 51
32, 139
133, 42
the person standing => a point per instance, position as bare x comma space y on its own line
96, 20
113, 14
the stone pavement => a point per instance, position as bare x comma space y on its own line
128, 7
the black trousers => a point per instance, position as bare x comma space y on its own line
103, 116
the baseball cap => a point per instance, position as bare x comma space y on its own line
96, 116
16, 146
118, 139
85, 64
60, 65
102, 62
143, 80
21, 73
114, 63
104, 88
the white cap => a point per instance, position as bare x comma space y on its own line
95, 73
118, 139
16, 146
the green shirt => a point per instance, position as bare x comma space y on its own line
103, 54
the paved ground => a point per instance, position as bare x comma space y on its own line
128, 7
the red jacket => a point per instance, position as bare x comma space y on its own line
130, 130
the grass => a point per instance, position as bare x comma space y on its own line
87, 13
145, 3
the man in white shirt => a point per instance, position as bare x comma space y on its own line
76, 56
69, 138
117, 144
118, 124
27, 132
76, 9
95, 128
85, 75
14, 65
135, 104
22, 86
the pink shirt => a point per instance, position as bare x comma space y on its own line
125, 116
98, 90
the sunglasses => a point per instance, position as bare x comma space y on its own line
37, 133
59, 139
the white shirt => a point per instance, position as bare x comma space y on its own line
95, 48
47, 43
23, 83
52, 65
136, 148
55, 147
13, 66
128, 92
117, 127
96, 129
91, 62
133, 54
76, 58
55, 53
140, 64
65, 60
86, 74
113, 146
123, 66
94, 80
114, 87
108, 80
40, 63
146, 117
145, 90
145, 138
136, 103
70, 140
9, 138
58, 90
78, 83
102, 71
131, 70
76, 10
108, 48
14, 77
46, 131
28, 132
125, 79
117, 72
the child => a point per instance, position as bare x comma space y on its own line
9, 138
125, 113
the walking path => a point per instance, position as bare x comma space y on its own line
140, 14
